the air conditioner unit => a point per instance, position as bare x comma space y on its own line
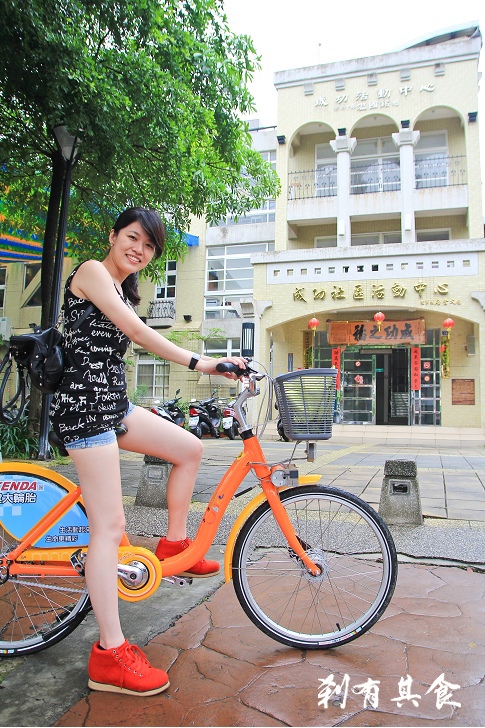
5, 327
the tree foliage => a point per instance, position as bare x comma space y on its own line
154, 88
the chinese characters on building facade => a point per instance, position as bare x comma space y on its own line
437, 295
379, 98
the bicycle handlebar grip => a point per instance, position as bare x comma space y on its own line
227, 366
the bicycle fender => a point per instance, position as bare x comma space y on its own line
244, 515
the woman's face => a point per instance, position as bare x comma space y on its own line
131, 248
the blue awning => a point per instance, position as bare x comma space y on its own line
191, 240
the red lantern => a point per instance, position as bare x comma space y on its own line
379, 318
448, 324
313, 324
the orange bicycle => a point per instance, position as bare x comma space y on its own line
313, 566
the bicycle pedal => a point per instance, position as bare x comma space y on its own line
177, 580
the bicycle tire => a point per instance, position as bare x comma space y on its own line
38, 611
342, 534
10, 413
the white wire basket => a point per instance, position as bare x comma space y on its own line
306, 400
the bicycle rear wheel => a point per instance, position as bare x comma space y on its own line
35, 611
354, 550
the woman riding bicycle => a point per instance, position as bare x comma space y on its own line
91, 403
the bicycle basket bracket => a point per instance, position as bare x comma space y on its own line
306, 401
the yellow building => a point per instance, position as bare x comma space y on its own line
379, 234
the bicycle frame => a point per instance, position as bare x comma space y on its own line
57, 561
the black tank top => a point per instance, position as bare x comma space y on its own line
92, 395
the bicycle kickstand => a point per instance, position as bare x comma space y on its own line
178, 580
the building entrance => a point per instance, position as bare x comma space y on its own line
375, 387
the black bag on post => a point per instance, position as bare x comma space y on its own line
41, 354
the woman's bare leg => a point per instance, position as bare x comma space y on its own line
98, 469
152, 435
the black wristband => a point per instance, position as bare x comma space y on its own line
193, 361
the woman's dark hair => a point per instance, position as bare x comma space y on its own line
152, 224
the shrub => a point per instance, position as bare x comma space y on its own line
15, 441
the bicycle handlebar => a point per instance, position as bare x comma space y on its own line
227, 366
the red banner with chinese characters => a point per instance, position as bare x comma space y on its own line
368, 333
336, 365
415, 368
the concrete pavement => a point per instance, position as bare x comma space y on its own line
224, 671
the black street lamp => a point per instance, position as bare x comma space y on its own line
67, 149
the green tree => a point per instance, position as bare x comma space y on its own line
155, 90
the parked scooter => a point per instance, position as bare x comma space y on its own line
230, 425
169, 410
205, 417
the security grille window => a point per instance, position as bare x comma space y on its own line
325, 171
169, 286
229, 277
3, 279
375, 166
152, 377
427, 400
431, 160
265, 213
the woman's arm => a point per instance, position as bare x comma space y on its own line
93, 282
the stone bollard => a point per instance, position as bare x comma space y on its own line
152, 488
400, 502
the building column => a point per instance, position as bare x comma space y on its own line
405, 140
343, 146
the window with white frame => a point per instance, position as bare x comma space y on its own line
431, 160
152, 376
168, 288
326, 242
376, 239
423, 236
223, 347
229, 277
375, 166
265, 213
3, 281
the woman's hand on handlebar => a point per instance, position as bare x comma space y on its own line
234, 366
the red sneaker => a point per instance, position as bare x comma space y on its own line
201, 569
124, 669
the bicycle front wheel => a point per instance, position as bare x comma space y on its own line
36, 611
351, 545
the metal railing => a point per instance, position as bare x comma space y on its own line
161, 309
378, 176
375, 176
440, 171
312, 183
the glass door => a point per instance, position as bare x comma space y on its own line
358, 388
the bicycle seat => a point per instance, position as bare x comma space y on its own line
55, 441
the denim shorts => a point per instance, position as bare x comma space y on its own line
102, 438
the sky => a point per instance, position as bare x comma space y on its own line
308, 32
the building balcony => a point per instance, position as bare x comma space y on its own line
375, 190
161, 313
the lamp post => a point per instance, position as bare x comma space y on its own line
67, 150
